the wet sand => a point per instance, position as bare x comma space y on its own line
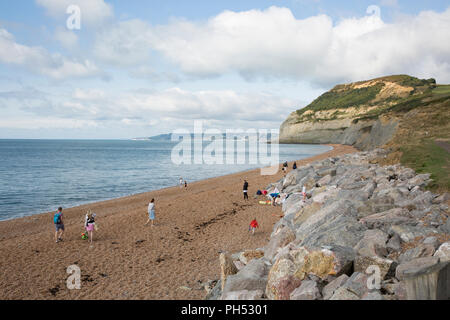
131, 261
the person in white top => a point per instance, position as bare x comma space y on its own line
304, 193
181, 182
151, 212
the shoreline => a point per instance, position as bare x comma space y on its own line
130, 261
155, 190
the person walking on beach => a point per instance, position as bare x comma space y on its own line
181, 182
253, 225
245, 190
151, 212
185, 184
89, 224
294, 166
59, 225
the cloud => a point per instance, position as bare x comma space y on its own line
272, 43
172, 107
67, 38
127, 43
93, 12
40, 61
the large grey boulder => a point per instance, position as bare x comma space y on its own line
252, 277
425, 278
373, 243
386, 266
308, 290
408, 233
384, 220
331, 287
279, 238
443, 253
422, 250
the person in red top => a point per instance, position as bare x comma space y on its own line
253, 226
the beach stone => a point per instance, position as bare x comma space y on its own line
280, 238
340, 230
443, 253
281, 281
357, 284
248, 255
415, 267
442, 198
408, 233
325, 262
282, 288
227, 267
306, 212
252, 277
325, 180
331, 287
420, 180
308, 290
387, 266
373, 243
384, 220
329, 193
425, 278
432, 241
446, 227
394, 243
400, 291
243, 295
422, 250
344, 294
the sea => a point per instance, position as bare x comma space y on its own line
38, 176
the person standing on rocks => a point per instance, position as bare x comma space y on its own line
59, 225
245, 190
304, 193
294, 166
151, 212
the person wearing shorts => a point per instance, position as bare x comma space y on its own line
151, 212
304, 193
245, 190
90, 225
59, 225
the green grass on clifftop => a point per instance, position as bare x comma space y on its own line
429, 158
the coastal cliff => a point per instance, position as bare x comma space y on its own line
364, 114
407, 116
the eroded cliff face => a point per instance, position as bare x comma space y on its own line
363, 114
364, 135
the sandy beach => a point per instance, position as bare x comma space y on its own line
133, 261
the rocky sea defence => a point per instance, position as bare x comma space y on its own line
364, 232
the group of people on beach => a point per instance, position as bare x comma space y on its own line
89, 225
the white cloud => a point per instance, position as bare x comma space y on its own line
93, 12
40, 61
67, 38
273, 43
174, 107
124, 44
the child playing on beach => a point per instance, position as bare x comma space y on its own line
89, 224
253, 225
245, 190
185, 184
151, 212
304, 193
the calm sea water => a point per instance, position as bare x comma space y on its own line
40, 175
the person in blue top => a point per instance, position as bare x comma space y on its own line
59, 225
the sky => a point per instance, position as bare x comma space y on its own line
123, 69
